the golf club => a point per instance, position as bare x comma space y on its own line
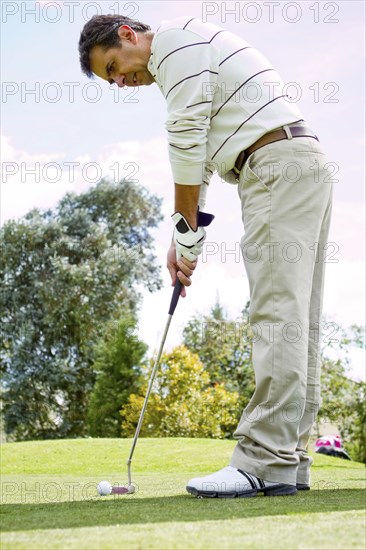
173, 305
104, 487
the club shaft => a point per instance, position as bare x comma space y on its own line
151, 381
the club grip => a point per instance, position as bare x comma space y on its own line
176, 293
203, 220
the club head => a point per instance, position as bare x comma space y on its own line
106, 489
123, 489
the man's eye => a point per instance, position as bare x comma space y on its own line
110, 68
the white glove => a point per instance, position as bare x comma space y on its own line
188, 243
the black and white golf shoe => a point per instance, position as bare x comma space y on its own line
303, 486
231, 483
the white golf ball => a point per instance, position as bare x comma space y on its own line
104, 488
131, 489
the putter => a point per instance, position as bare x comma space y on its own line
105, 488
173, 305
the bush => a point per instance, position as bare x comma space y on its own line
183, 402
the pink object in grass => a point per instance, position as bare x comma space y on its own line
329, 441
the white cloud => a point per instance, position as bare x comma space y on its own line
144, 161
24, 182
40, 180
347, 230
11, 154
344, 294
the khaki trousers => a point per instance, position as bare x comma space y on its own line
286, 194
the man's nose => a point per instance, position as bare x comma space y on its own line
120, 81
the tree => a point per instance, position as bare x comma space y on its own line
353, 428
183, 402
343, 399
64, 273
225, 348
118, 371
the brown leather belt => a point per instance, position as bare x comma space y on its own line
271, 137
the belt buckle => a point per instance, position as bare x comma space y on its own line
236, 173
287, 131
240, 160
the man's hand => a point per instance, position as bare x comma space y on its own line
183, 269
186, 246
188, 242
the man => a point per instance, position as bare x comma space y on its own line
227, 113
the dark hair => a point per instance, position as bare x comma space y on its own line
102, 30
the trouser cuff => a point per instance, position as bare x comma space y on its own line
281, 474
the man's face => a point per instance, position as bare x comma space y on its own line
126, 65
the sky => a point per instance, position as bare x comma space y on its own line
62, 132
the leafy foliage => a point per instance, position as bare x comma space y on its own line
64, 274
117, 366
353, 428
183, 403
343, 399
225, 348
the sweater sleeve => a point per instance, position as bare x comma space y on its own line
186, 69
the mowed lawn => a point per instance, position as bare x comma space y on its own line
49, 500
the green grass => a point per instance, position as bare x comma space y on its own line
49, 500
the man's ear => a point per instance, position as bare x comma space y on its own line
126, 33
